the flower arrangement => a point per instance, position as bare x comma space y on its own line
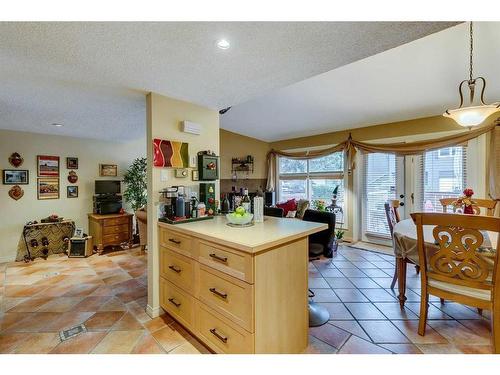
319, 205
465, 202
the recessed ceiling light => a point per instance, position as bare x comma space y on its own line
223, 44
56, 124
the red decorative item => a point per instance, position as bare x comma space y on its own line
72, 177
465, 202
468, 202
290, 205
16, 192
15, 159
122, 211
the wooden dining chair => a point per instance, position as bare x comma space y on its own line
454, 269
392, 215
488, 204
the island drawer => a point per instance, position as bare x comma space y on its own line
232, 262
177, 241
220, 334
177, 303
227, 295
177, 269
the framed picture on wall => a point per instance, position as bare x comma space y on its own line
71, 163
48, 166
15, 177
48, 188
108, 170
72, 191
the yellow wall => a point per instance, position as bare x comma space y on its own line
163, 121
237, 145
90, 153
395, 129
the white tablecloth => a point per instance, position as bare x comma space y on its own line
405, 239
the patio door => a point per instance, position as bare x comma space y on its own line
383, 179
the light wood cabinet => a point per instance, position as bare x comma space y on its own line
233, 300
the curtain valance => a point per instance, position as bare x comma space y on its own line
350, 146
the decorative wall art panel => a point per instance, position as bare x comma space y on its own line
48, 166
170, 154
48, 188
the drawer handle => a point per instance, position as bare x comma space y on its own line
216, 257
218, 335
177, 242
172, 301
220, 294
175, 269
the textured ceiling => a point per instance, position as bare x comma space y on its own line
92, 77
418, 79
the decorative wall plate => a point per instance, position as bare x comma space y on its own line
72, 177
16, 192
15, 159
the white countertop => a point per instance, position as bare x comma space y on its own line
272, 232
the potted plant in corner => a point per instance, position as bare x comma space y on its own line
136, 188
339, 235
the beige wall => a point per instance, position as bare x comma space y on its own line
90, 153
236, 145
395, 129
163, 121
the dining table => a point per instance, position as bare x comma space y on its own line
405, 248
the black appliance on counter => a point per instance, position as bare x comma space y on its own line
107, 198
269, 199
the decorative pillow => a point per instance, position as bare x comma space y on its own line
302, 206
290, 205
291, 214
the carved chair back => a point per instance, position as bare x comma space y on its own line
456, 257
488, 205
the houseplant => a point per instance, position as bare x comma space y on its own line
339, 235
136, 187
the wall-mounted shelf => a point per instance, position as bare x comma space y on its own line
242, 165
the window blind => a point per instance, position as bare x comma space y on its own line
442, 174
379, 180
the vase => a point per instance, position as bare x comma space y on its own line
468, 210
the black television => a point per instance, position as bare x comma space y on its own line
107, 187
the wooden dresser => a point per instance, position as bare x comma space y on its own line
236, 301
108, 230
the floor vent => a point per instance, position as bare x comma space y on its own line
72, 332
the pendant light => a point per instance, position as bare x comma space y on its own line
472, 115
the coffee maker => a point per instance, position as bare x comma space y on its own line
168, 203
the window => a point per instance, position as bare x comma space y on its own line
313, 179
444, 176
381, 174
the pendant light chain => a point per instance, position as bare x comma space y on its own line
471, 50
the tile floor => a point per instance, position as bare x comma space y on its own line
108, 295
366, 318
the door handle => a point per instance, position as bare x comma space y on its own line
177, 242
401, 196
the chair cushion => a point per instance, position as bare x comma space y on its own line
302, 206
459, 289
289, 205
316, 249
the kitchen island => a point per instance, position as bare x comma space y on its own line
239, 290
